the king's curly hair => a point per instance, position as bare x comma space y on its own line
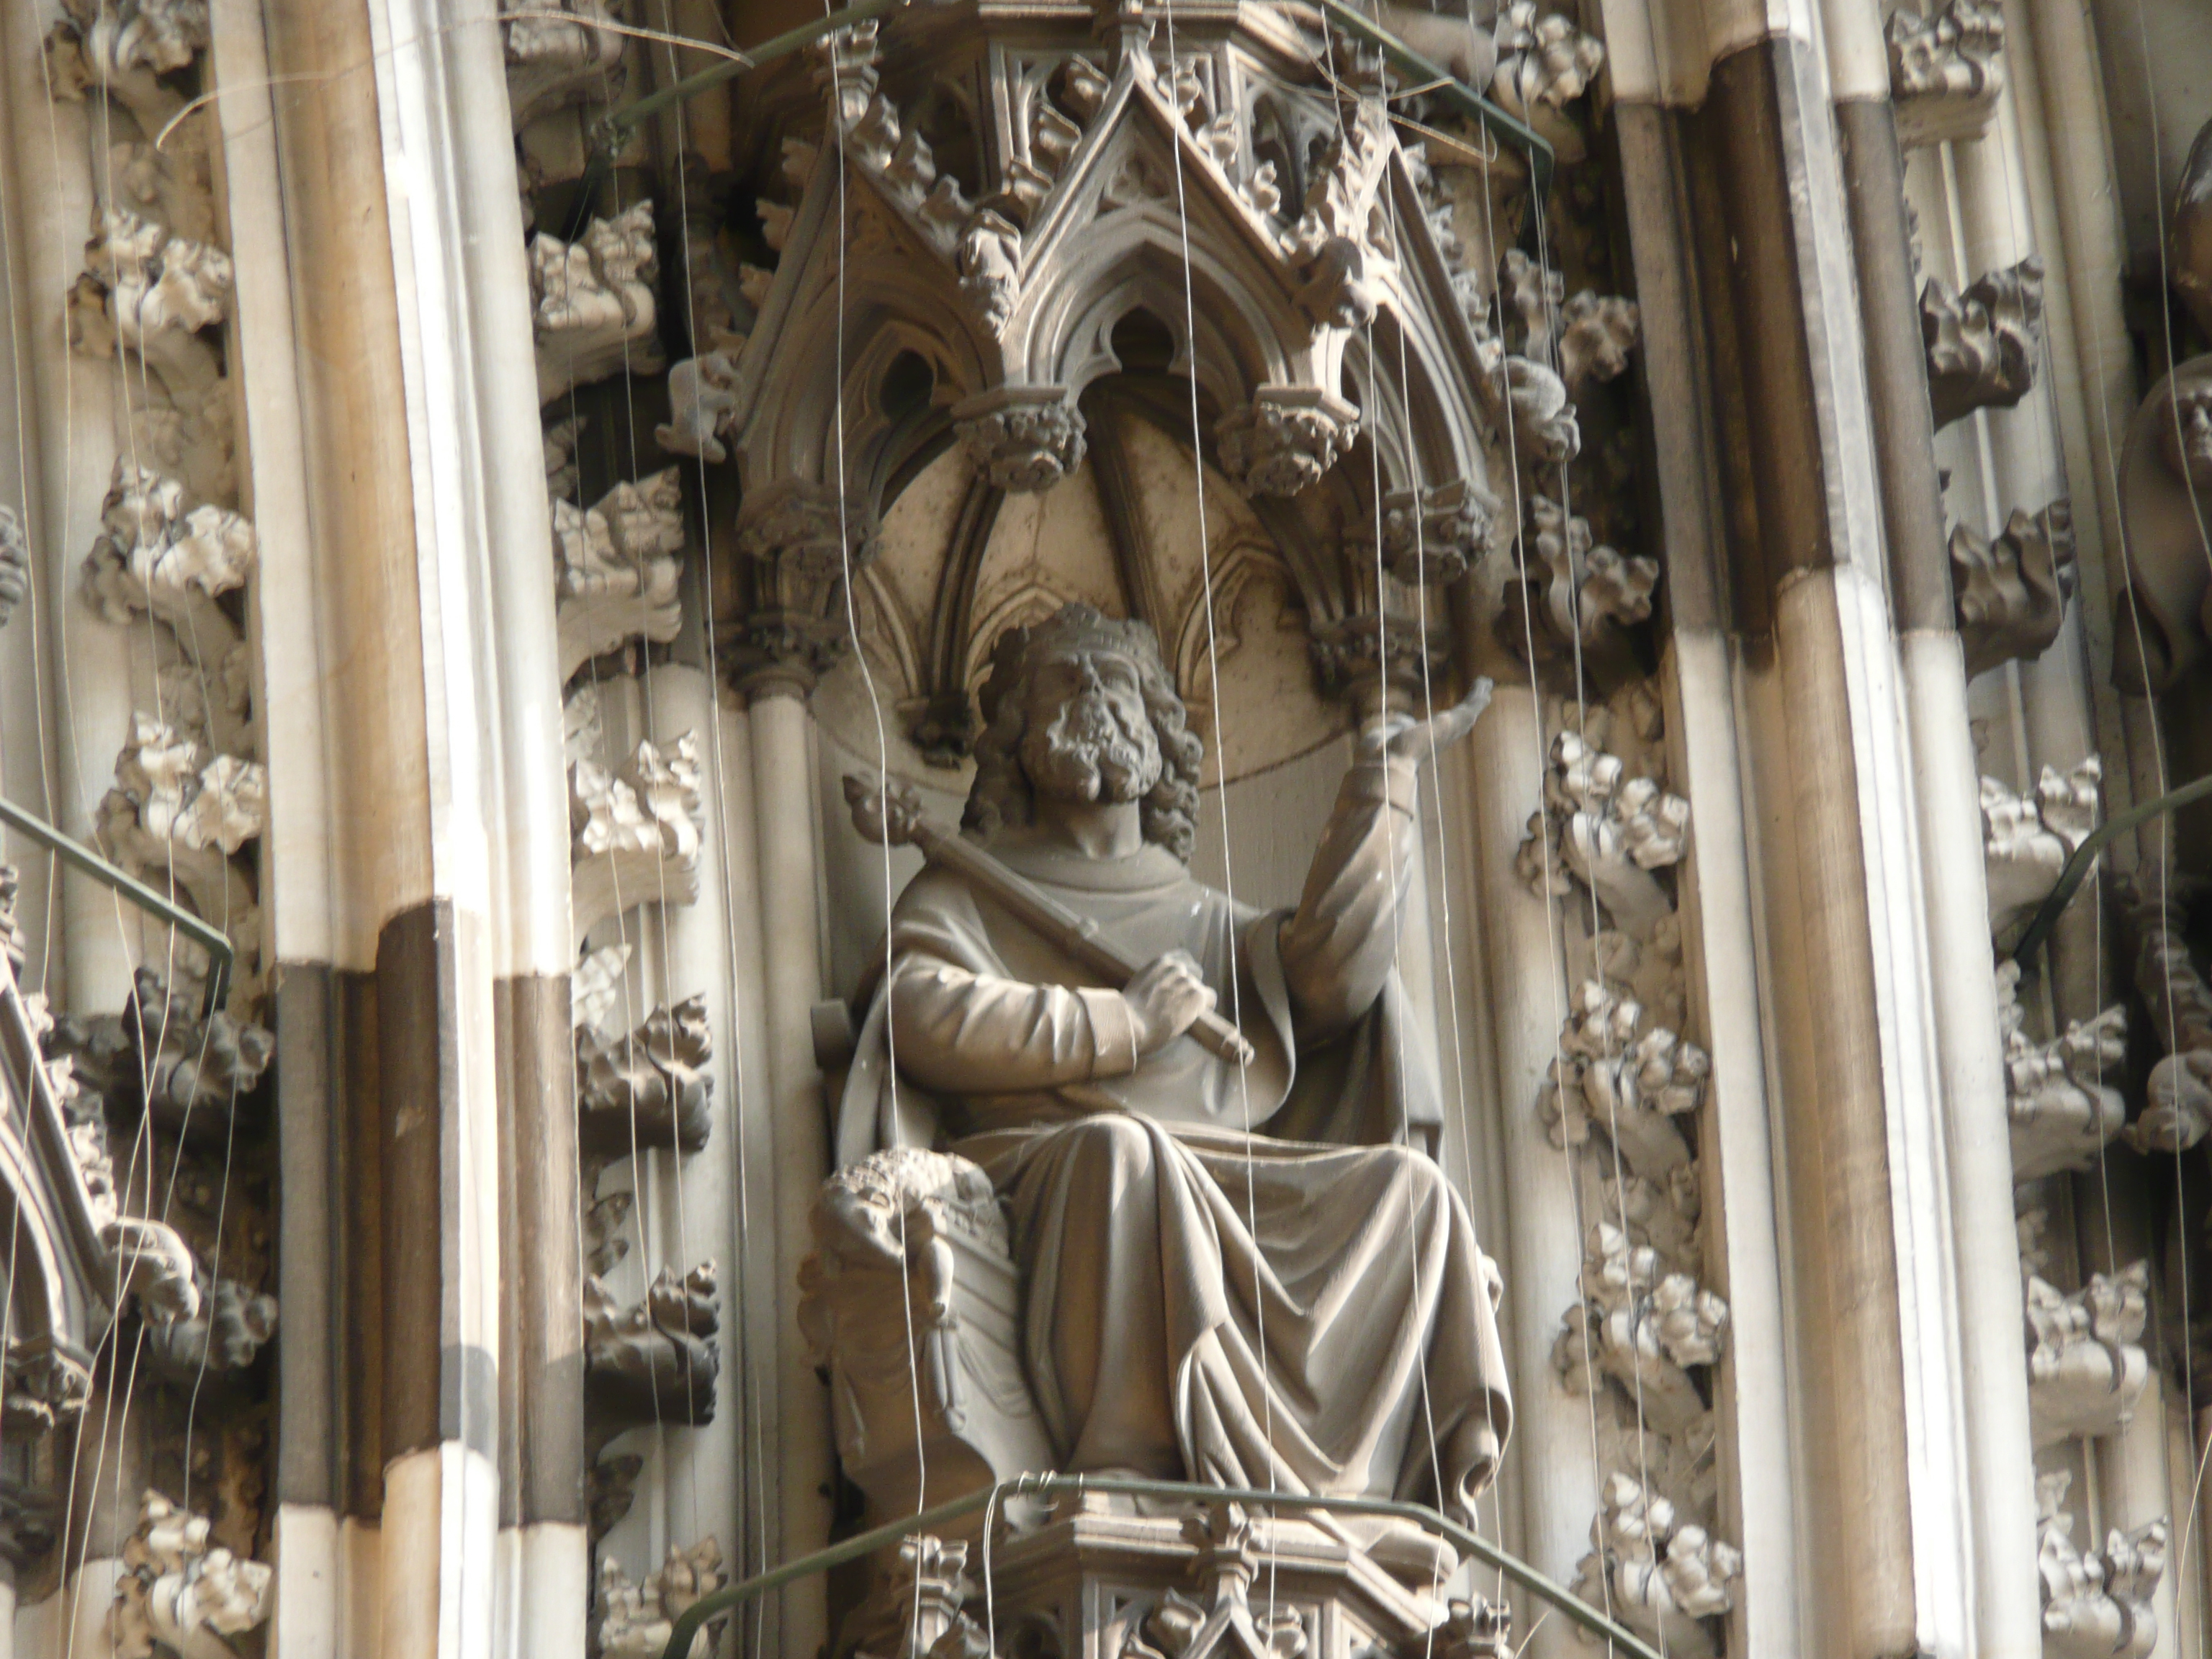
1001, 796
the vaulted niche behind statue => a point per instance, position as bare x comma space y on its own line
959, 562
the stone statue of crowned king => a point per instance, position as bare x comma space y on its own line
1244, 1274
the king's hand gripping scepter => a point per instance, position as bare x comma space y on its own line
891, 815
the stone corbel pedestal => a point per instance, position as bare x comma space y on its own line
1222, 1585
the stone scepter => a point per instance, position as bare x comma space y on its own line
892, 815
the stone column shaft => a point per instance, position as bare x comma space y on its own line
798, 1417
1785, 622
1555, 1469
76, 427
2007, 1603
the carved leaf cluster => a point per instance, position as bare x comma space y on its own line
2011, 590
592, 302
2095, 1607
634, 836
2062, 1108
154, 554
638, 1621
1945, 68
1607, 830
1982, 344
181, 1594
618, 569
2027, 838
655, 1361
2085, 1367
648, 1089
1661, 1576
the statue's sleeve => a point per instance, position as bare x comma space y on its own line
962, 1026
1338, 946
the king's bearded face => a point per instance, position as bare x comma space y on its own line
1089, 737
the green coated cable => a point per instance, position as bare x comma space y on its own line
2077, 867
78, 856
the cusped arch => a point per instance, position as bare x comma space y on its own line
834, 340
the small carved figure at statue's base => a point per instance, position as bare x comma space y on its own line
937, 1366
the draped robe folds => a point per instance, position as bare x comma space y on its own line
1254, 1278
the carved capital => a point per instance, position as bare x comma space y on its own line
1285, 439
47, 1383
1367, 658
1432, 535
1022, 438
801, 544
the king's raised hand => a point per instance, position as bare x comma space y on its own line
1398, 736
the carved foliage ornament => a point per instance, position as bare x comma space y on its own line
1945, 68
2027, 838
181, 1594
2062, 1108
638, 1621
656, 1361
1982, 344
1022, 439
649, 1087
1606, 829
2177, 1109
618, 568
635, 834
1661, 1576
1285, 439
551, 60
2086, 1368
2096, 1605
592, 302
2011, 590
